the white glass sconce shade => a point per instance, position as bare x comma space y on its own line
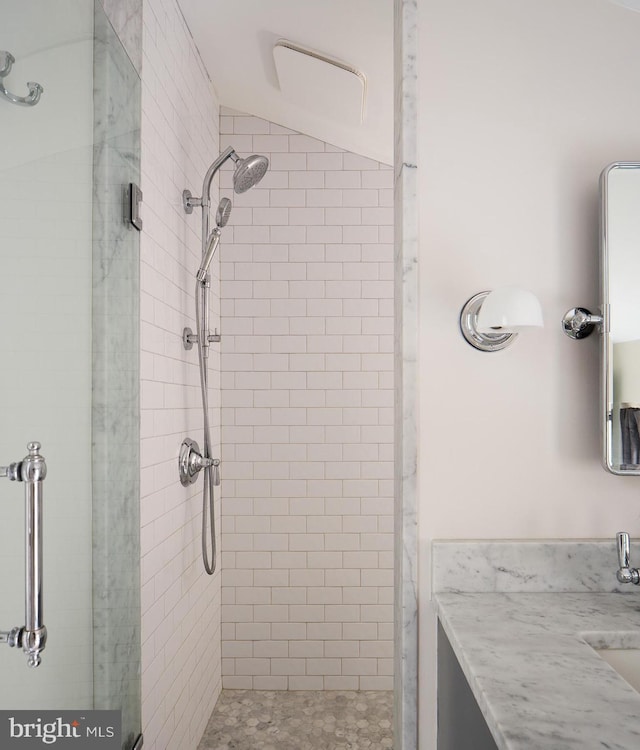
490, 321
509, 309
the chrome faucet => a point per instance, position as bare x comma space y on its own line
625, 574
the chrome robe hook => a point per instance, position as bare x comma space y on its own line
35, 89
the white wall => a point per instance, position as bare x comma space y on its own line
180, 603
521, 106
358, 33
307, 392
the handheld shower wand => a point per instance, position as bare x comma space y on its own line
222, 217
212, 246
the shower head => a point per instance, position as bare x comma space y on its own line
223, 213
249, 172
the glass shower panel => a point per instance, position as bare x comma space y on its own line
46, 156
69, 286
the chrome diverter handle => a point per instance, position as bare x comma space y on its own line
32, 470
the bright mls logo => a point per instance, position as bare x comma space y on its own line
61, 729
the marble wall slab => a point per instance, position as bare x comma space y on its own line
126, 18
115, 398
406, 377
528, 566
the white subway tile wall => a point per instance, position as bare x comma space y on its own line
307, 417
180, 604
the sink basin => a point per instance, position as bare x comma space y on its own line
620, 649
626, 662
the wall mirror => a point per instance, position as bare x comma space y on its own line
620, 305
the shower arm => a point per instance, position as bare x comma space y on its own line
205, 201
228, 153
190, 202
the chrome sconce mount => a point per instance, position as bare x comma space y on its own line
485, 342
490, 321
578, 323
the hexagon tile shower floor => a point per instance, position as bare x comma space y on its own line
300, 720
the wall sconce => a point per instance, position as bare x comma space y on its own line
490, 321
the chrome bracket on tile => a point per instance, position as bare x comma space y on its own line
189, 338
35, 89
189, 202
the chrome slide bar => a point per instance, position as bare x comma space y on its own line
32, 637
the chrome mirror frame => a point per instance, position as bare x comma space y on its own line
606, 343
579, 322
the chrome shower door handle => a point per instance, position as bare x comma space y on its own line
32, 470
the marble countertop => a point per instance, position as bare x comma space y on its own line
536, 679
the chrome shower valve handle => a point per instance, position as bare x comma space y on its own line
191, 462
216, 471
625, 573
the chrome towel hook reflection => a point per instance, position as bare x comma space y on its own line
35, 89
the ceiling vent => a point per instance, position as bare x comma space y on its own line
321, 84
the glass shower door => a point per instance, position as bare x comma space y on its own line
46, 177
68, 374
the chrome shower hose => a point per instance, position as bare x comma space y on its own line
207, 487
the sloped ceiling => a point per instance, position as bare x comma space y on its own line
236, 39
